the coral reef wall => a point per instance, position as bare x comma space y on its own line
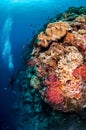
53, 78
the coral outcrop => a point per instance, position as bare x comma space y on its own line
59, 56
53, 78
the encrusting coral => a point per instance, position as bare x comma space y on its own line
59, 57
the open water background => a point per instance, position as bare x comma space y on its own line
20, 20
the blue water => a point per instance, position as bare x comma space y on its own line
20, 20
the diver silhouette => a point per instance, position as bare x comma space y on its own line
11, 82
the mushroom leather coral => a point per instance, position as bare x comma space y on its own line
54, 31
69, 38
43, 38
80, 72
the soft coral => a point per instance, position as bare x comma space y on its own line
53, 92
80, 72
52, 80
54, 95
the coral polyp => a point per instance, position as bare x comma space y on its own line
59, 58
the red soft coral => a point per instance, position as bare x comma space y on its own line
80, 72
53, 92
52, 77
54, 95
53, 81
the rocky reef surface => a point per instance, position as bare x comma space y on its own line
52, 83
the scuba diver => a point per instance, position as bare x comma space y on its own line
11, 83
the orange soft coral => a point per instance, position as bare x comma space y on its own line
80, 72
